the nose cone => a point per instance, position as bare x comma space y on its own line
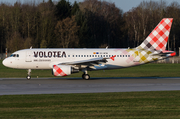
4, 62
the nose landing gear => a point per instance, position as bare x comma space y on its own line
29, 74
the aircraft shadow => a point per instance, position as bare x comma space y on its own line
108, 78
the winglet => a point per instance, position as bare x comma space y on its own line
113, 57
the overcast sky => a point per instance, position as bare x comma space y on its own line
125, 5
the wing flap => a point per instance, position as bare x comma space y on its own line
90, 62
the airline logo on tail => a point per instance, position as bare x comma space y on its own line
158, 38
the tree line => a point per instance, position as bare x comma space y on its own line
87, 24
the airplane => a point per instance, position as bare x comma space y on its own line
66, 61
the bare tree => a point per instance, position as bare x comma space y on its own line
28, 43
47, 22
142, 19
66, 32
15, 43
173, 12
104, 21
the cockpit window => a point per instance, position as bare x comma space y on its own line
14, 55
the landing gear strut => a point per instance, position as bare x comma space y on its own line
29, 74
85, 75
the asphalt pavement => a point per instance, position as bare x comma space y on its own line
14, 86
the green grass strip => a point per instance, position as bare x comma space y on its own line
163, 104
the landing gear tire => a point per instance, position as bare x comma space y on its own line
28, 77
86, 76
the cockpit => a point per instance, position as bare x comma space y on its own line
14, 55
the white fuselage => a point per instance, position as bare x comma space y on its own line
46, 58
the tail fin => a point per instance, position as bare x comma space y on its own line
157, 40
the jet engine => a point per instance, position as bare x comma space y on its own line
63, 70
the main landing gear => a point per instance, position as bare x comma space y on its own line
85, 75
29, 74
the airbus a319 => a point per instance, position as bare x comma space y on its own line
64, 62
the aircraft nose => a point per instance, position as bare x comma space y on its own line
5, 62
8, 62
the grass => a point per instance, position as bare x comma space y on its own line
147, 70
164, 104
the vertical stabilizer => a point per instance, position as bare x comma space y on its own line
157, 40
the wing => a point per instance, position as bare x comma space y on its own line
89, 64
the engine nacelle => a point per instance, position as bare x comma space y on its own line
63, 70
